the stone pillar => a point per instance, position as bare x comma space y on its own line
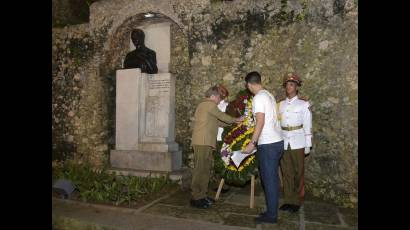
128, 90
145, 122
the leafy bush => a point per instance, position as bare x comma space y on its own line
101, 186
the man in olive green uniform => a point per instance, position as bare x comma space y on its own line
207, 119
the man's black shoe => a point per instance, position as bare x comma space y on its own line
262, 214
209, 200
201, 203
265, 219
294, 208
285, 207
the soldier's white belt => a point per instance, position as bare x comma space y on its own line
291, 128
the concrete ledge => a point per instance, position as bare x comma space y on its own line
151, 161
158, 147
182, 176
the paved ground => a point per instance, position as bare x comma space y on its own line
173, 212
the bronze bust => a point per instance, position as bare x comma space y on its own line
142, 57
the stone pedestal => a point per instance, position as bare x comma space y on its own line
151, 161
145, 123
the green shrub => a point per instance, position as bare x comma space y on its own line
101, 186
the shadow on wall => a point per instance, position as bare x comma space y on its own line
70, 12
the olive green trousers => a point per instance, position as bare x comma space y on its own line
292, 166
203, 161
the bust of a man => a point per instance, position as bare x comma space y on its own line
142, 57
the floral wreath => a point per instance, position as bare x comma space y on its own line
237, 137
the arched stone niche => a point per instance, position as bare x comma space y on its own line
161, 34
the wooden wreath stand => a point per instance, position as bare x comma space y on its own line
252, 198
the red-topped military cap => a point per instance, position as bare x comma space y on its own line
292, 77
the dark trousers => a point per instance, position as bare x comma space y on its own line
292, 166
203, 160
269, 156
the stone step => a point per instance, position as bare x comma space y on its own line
182, 176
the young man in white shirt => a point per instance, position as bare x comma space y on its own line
268, 140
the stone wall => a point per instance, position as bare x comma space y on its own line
219, 42
69, 12
82, 127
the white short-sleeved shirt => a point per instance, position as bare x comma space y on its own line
264, 102
221, 106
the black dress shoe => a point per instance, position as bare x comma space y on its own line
209, 200
294, 208
201, 203
285, 207
265, 219
262, 214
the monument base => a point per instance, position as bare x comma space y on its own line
158, 147
182, 176
148, 161
145, 125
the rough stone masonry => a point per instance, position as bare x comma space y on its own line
217, 42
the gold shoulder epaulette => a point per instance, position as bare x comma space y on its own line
304, 98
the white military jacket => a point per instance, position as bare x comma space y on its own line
296, 122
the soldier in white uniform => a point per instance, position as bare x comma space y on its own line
296, 123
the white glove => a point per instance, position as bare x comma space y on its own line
307, 150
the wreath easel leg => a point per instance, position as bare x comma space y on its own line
221, 184
252, 200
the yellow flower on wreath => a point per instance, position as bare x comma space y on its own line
247, 122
